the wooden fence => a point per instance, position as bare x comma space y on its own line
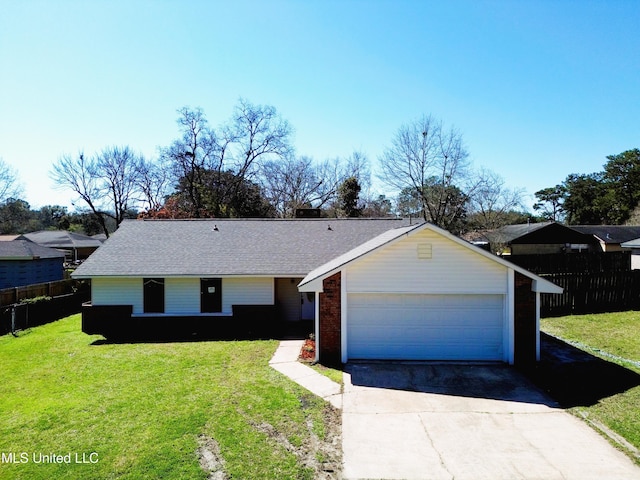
58, 300
592, 293
588, 262
9, 296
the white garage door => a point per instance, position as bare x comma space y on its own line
425, 327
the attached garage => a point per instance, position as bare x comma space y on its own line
420, 293
425, 327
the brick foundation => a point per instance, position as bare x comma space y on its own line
525, 322
330, 321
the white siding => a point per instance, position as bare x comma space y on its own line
182, 295
117, 291
451, 268
246, 291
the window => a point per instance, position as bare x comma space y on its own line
153, 292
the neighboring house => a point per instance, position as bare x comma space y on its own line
25, 263
376, 288
536, 238
76, 246
634, 246
610, 237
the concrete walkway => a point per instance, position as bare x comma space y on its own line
285, 361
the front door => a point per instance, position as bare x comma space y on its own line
210, 295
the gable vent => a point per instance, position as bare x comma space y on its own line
424, 251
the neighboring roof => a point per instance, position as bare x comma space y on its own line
221, 247
610, 233
26, 250
8, 238
540, 284
508, 233
62, 239
635, 243
533, 233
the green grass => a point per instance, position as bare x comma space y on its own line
142, 408
606, 335
331, 373
616, 333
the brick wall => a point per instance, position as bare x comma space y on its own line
525, 322
330, 321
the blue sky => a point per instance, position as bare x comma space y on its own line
539, 89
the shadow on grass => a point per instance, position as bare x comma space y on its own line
574, 377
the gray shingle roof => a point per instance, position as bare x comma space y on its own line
509, 233
26, 250
267, 247
62, 239
610, 233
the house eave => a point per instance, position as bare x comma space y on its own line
189, 275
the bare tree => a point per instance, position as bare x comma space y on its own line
260, 134
433, 163
154, 182
79, 175
106, 182
118, 168
212, 165
9, 184
295, 182
491, 201
196, 152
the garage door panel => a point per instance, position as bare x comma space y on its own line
425, 327
436, 352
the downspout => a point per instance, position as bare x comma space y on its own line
343, 316
537, 326
316, 308
510, 344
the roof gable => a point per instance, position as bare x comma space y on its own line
312, 281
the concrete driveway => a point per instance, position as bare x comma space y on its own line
453, 421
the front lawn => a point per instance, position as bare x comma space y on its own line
614, 337
155, 411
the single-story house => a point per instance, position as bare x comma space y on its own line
76, 246
610, 237
634, 246
376, 289
25, 263
536, 239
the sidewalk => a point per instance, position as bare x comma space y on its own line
285, 361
